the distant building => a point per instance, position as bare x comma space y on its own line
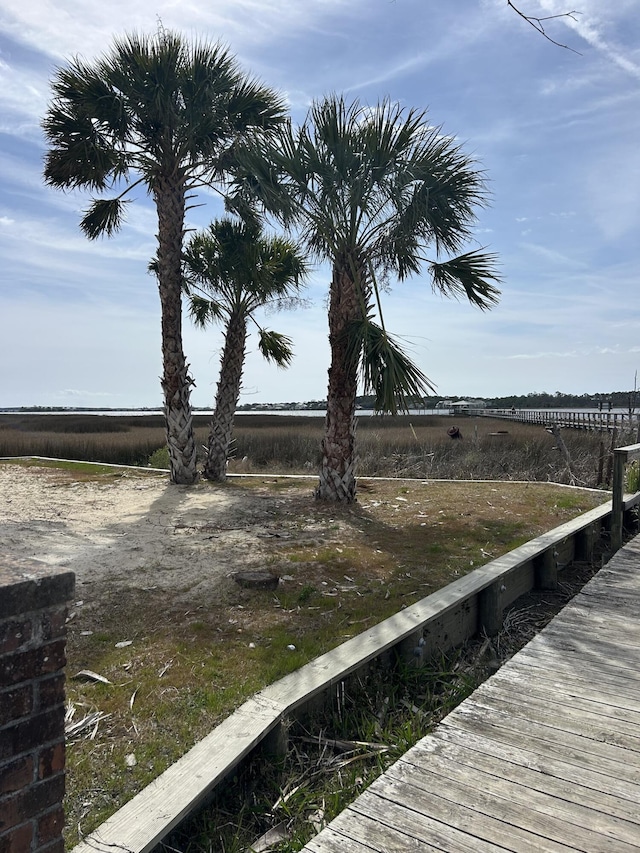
461, 405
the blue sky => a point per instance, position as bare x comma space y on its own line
557, 134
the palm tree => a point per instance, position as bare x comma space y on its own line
371, 190
160, 112
231, 270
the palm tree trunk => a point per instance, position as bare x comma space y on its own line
176, 382
227, 395
338, 471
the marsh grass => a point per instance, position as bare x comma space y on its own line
406, 446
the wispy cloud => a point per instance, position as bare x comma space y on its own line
589, 24
585, 352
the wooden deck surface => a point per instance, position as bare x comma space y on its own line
544, 756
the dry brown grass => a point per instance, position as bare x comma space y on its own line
406, 446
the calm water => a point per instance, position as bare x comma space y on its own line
305, 413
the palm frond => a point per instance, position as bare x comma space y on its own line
240, 265
473, 275
103, 217
387, 371
275, 347
204, 311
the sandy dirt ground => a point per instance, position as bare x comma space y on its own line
138, 531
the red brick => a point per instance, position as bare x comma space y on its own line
26, 735
46, 588
16, 775
31, 802
50, 826
54, 847
15, 703
51, 760
50, 692
23, 666
53, 624
14, 633
17, 840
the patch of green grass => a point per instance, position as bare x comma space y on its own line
306, 593
571, 501
632, 477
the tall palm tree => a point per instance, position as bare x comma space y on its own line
231, 270
160, 112
371, 189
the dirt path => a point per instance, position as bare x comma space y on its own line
132, 530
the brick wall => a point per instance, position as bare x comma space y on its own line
33, 610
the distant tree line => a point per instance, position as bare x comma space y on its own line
532, 400
546, 400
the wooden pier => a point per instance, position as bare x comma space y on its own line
603, 421
545, 756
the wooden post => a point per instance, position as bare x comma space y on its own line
546, 570
276, 744
601, 462
585, 543
490, 608
619, 463
609, 475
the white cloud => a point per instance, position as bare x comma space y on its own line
63, 29
593, 25
556, 133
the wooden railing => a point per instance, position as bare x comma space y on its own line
598, 421
621, 456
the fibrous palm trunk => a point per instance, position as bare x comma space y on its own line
338, 471
176, 382
227, 395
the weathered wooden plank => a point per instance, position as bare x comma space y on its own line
614, 623
455, 827
574, 803
593, 643
576, 684
337, 664
563, 643
559, 693
331, 841
576, 750
610, 595
471, 810
610, 679
566, 654
621, 797
382, 833
562, 717
527, 809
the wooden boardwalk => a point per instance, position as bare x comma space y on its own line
595, 421
545, 756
